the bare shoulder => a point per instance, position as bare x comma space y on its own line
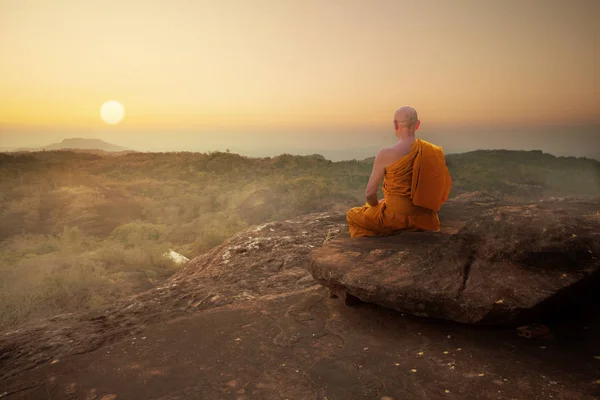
402, 148
385, 156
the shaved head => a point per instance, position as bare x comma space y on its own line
406, 116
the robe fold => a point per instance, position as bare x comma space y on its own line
414, 188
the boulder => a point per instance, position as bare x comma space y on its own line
505, 264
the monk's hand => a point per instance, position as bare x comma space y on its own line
372, 200
381, 200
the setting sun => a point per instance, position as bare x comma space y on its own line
112, 112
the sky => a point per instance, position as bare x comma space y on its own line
312, 76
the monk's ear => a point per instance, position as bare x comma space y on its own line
417, 125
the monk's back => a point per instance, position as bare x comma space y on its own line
398, 172
416, 182
399, 150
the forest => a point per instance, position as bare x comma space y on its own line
79, 229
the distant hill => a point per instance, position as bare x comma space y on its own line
595, 156
84, 144
95, 146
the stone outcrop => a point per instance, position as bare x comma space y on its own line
272, 259
269, 259
502, 264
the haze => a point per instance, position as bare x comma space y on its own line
267, 77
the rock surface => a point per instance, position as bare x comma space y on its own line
306, 346
246, 320
506, 263
269, 259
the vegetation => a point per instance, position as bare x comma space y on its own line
78, 229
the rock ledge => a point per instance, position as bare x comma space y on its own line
507, 263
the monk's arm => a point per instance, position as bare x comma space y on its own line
375, 180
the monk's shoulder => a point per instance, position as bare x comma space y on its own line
385, 155
432, 146
401, 149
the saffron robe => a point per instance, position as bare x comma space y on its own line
414, 188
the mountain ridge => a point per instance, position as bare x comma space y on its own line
75, 144
84, 144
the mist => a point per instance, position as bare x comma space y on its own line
577, 140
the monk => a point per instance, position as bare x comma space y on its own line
416, 183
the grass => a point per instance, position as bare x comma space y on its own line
44, 276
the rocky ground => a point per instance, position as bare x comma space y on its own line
508, 263
247, 321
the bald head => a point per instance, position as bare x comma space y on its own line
406, 117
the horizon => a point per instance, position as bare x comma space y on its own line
554, 146
280, 77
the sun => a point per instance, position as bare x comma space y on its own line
112, 112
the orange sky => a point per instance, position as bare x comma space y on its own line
267, 63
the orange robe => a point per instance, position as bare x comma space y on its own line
414, 187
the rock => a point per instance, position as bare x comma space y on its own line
176, 257
506, 263
269, 259
260, 262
